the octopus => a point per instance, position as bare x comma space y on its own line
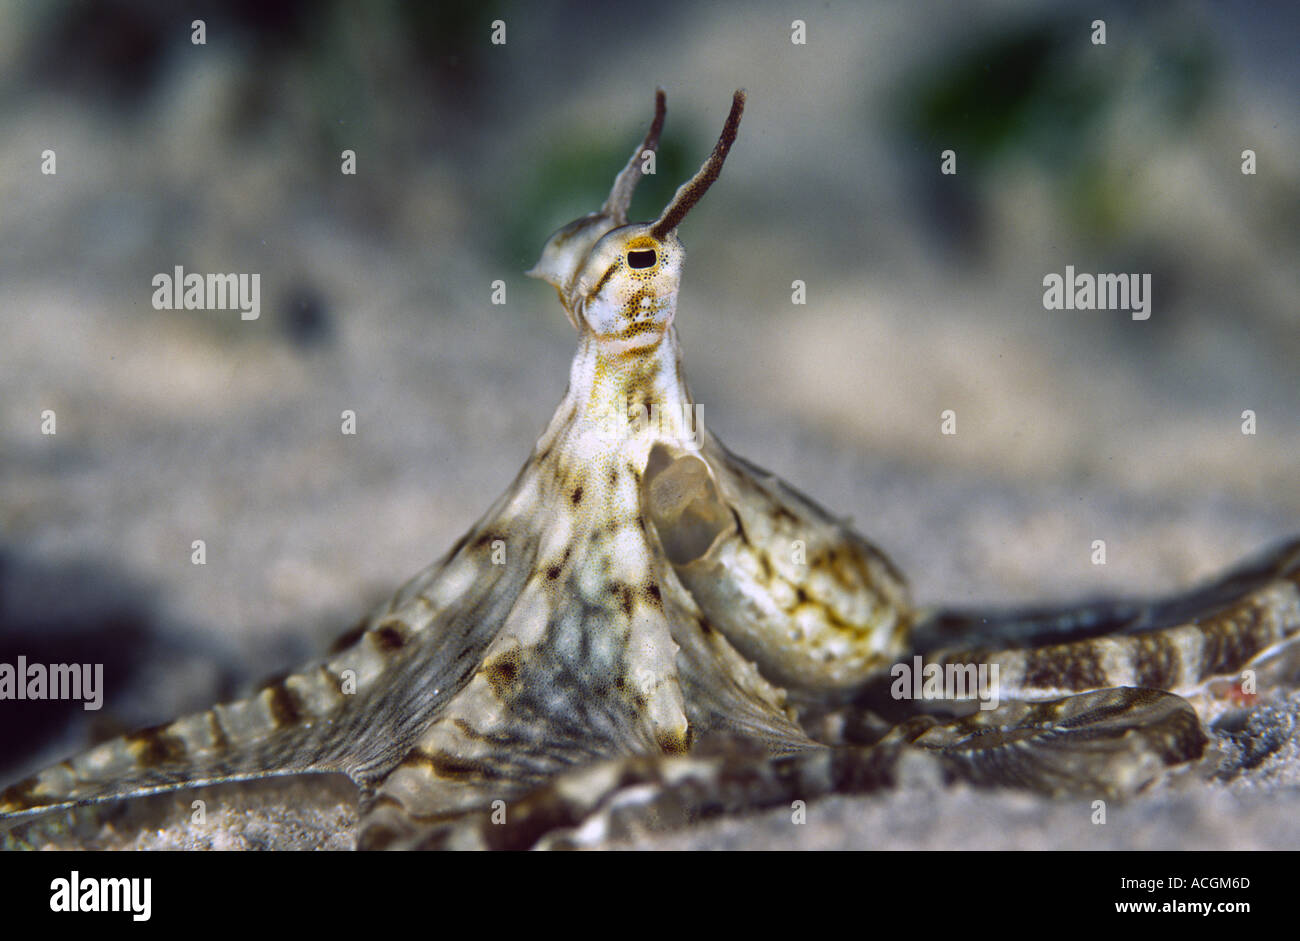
646, 630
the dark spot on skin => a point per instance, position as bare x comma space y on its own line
282, 704
672, 744
634, 312
154, 746
652, 591
502, 673
553, 572
577, 495
612, 474
704, 626
388, 637
624, 594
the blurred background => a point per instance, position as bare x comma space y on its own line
924, 293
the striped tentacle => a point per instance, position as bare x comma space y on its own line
1177, 645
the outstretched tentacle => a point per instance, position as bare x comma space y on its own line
353, 712
1177, 644
1107, 743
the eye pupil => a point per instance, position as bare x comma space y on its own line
641, 258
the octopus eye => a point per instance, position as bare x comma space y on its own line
642, 258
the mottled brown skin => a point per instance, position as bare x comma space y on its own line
647, 628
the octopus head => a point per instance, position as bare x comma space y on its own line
619, 281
